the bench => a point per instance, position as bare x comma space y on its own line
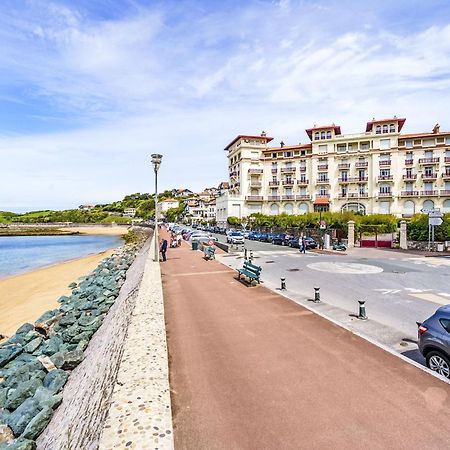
250, 271
209, 252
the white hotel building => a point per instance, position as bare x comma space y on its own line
376, 171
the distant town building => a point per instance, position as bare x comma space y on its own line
129, 212
86, 207
182, 193
166, 204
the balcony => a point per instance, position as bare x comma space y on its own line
254, 198
322, 196
287, 169
447, 159
385, 194
255, 171
274, 170
341, 196
409, 162
359, 179
288, 183
255, 184
410, 177
302, 168
385, 177
274, 183
323, 181
446, 175
303, 197
430, 176
344, 180
302, 182
409, 193
344, 166
273, 198
445, 192
429, 161
361, 164
322, 167
233, 174
428, 193
288, 197
358, 195
385, 162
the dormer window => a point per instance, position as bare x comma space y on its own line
385, 128
378, 129
316, 136
328, 134
392, 128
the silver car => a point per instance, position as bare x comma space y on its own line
434, 341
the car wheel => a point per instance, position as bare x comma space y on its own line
439, 363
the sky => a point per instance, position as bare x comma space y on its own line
89, 89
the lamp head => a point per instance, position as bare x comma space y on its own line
156, 161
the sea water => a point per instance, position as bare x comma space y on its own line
20, 254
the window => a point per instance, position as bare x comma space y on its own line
428, 186
274, 191
409, 187
428, 154
428, 143
303, 208
385, 207
288, 191
274, 155
446, 206
328, 134
409, 143
385, 128
385, 189
323, 149
378, 129
274, 178
274, 209
392, 128
303, 178
447, 141
428, 204
323, 177
409, 208
350, 147
409, 172
316, 136
344, 175
254, 155
428, 171
361, 189
322, 135
344, 191
385, 172
289, 208
385, 144
417, 142
342, 147
446, 324
323, 191
365, 145
287, 154
303, 153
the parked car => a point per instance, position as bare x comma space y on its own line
310, 242
434, 341
293, 242
264, 237
235, 238
254, 235
245, 234
278, 239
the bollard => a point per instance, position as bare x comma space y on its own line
251, 255
283, 284
245, 253
317, 295
362, 310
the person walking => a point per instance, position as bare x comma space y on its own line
303, 245
163, 249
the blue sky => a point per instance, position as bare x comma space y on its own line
90, 88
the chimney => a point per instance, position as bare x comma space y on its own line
281, 144
263, 133
436, 129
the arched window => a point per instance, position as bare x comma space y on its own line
446, 206
409, 208
322, 135
274, 209
328, 134
385, 128
316, 136
392, 128
303, 208
288, 208
428, 204
378, 129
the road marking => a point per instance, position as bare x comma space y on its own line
347, 268
432, 298
388, 291
417, 291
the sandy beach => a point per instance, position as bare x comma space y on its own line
23, 298
99, 230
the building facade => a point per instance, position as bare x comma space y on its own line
376, 171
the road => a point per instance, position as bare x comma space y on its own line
399, 289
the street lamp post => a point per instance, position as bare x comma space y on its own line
156, 161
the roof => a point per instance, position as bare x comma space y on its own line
287, 147
401, 122
247, 136
418, 135
336, 128
321, 201
169, 200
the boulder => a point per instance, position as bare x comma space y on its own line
72, 359
37, 424
83, 336
8, 353
19, 419
33, 345
55, 380
25, 328
23, 391
58, 359
72, 285
46, 398
51, 346
19, 444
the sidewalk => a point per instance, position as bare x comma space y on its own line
252, 370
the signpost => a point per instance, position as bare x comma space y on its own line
434, 220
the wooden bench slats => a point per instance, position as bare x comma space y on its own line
250, 271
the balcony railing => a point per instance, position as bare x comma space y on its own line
344, 166
385, 194
288, 197
357, 195
273, 198
302, 182
288, 183
428, 193
322, 196
287, 169
274, 169
385, 162
428, 160
274, 183
445, 192
344, 180
322, 167
430, 176
447, 159
409, 193
411, 176
255, 171
409, 162
233, 174
255, 184
303, 197
254, 198
361, 164
302, 168
385, 177
323, 181
446, 175
360, 179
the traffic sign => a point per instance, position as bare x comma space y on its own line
210, 242
435, 221
323, 225
435, 214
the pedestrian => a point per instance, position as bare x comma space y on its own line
179, 239
303, 245
164, 249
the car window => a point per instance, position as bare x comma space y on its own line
446, 324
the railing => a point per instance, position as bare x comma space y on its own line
274, 170
255, 171
446, 175
385, 177
287, 197
233, 174
409, 193
273, 198
357, 194
256, 184
428, 193
447, 159
341, 196
322, 195
411, 176
344, 180
288, 183
322, 167
428, 160
384, 162
287, 169
323, 181
302, 182
274, 183
360, 179
361, 164
409, 162
254, 198
344, 166
302, 168
445, 192
385, 194
430, 176
303, 197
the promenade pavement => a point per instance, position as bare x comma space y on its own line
250, 369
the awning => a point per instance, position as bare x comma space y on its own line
322, 201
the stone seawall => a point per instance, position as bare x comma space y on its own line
78, 422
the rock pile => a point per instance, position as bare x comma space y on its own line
36, 361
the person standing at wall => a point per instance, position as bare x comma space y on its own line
163, 249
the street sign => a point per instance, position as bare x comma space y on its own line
435, 214
210, 243
323, 225
435, 221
